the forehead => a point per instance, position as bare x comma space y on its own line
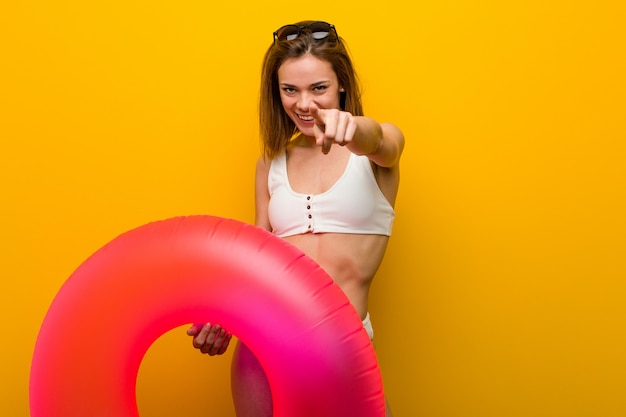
306, 69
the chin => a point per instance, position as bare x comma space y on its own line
306, 131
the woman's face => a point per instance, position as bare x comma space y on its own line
305, 81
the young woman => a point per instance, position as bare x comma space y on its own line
327, 181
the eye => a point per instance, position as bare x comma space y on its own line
320, 88
289, 90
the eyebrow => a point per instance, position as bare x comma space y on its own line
315, 84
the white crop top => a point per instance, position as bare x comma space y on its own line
354, 204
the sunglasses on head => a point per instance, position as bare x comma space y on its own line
317, 30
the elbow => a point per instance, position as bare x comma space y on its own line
390, 148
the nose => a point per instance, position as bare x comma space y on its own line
304, 102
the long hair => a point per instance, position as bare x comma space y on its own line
276, 128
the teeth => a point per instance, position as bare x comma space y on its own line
305, 118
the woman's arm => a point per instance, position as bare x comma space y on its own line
381, 142
262, 194
212, 339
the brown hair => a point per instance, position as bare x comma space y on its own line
276, 128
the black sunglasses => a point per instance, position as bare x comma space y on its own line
317, 30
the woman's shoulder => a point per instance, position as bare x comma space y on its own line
263, 163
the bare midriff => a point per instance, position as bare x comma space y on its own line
351, 260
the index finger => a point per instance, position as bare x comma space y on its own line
194, 329
316, 113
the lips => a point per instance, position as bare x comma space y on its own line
305, 117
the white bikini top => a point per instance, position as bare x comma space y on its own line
354, 204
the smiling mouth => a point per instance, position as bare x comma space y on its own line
305, 118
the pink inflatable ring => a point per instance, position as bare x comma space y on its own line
281, 304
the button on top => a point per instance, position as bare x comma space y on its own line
309, 215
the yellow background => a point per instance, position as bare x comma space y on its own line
503, 290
